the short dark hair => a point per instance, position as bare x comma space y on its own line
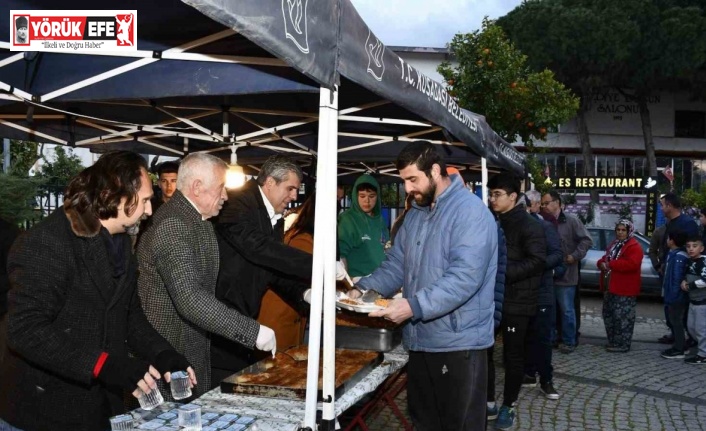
555, 195
695, 239
505, 181
422, 154
672, 199
367, 186
678, 236
170, 167
278, 167
703, 211
100, 188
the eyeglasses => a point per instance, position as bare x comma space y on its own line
545, 203
497, 195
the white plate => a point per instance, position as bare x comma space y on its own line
361, 308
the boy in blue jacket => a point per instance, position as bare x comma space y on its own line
675, 299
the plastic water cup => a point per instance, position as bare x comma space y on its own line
121, 423
150, 400
190, 417
180, 385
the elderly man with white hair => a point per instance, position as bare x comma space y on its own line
178, 261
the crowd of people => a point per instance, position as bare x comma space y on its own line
105, 300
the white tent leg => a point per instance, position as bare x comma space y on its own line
323, 288
484, 179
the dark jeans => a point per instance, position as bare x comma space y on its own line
446, 390
676, 314
539, 346
514, 340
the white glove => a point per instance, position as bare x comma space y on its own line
341, 272
266, 340
307, 296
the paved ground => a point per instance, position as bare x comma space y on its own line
604, 391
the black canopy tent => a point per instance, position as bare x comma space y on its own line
306, 77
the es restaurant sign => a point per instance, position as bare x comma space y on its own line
605, 183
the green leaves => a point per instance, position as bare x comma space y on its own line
492, 78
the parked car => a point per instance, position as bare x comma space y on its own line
602, 237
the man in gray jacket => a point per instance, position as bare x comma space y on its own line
575, 242
445, 256
178, 261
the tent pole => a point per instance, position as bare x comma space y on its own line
484, 179
323, 293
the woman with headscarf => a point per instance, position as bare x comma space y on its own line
620, 281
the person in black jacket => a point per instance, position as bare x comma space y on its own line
543, 325
526, 256
74, 308
250, 233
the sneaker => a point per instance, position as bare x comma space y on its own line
672, 353
529, 381
666, 339
506, 418
695, 360
491, 412
690, 342
549, 392
566, 348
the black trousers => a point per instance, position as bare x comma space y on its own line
446, 390
515, 338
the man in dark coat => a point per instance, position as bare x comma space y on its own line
178, 259
250, 233
74, 308
526, 256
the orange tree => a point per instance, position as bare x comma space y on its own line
493, 79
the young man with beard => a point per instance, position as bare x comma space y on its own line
74, 309
526, 256
445, 257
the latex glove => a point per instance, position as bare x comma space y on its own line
341, 273
266, 340
307, 296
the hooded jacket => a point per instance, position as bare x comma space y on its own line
362, 237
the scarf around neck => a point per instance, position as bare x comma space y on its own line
617, 247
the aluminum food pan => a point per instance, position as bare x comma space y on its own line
361, 338
230, 385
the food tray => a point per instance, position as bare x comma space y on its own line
358, 365
361, 338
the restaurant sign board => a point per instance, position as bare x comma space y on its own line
602, 183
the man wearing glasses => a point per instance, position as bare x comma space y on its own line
575, 242
526, 255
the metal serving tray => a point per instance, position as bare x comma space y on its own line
361, 338
231, 385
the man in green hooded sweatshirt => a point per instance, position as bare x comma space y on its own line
362, 231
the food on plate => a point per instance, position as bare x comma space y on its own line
349, 301
382, 302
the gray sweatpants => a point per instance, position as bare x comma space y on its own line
696, 323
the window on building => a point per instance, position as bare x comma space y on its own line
690, 124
